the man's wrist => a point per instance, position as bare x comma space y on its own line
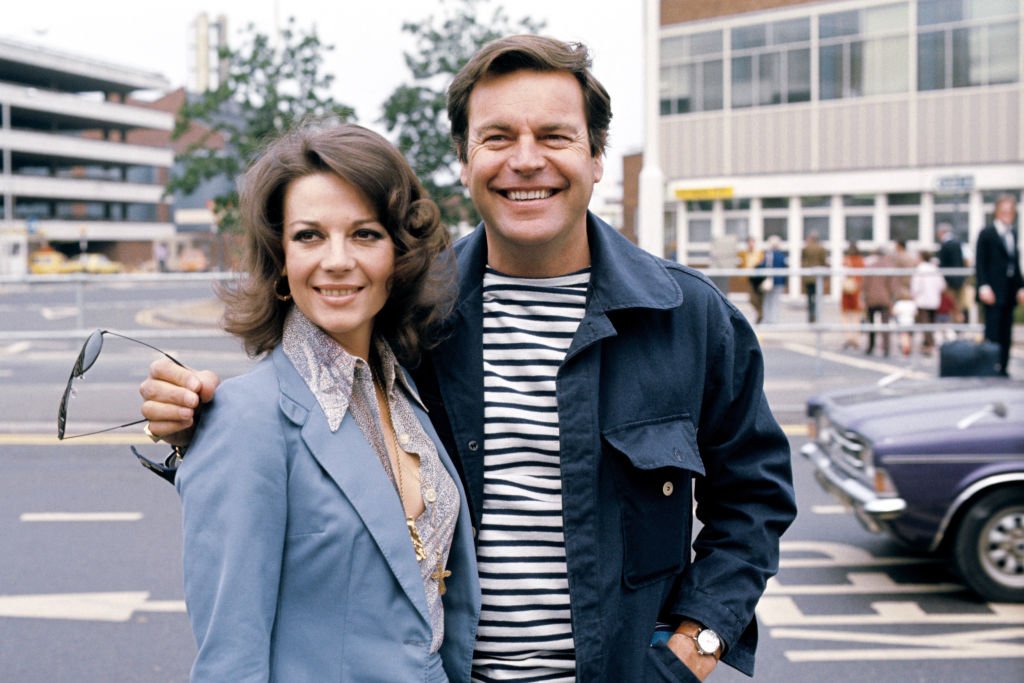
706, 641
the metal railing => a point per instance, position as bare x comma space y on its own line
82, 282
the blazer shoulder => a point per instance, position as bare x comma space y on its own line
244, 405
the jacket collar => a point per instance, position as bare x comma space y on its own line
622, 276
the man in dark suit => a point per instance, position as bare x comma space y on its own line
997, 268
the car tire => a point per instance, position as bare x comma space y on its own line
989, 546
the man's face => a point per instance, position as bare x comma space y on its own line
1006, 212
529, 171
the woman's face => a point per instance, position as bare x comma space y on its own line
337, 256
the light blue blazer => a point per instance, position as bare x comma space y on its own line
298, 564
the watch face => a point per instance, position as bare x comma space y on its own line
707, 641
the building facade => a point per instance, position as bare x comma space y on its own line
71, 174
865, 121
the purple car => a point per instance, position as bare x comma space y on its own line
939, 464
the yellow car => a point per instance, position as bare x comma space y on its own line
97, 264
50, 262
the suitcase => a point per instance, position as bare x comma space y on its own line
965, 358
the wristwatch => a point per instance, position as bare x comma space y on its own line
708, 642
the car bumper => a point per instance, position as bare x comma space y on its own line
872, 510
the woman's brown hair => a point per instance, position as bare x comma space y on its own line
422, 285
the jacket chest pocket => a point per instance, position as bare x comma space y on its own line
656, 464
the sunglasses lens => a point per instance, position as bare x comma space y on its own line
91, 350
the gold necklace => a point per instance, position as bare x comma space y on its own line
414, 534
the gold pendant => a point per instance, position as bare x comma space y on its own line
440, 575
417, 542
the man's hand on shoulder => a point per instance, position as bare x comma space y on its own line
171, 396
684, 645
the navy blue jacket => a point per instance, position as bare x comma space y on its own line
661, 386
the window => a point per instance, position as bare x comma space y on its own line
817, 225
771, 63
777, 227
903, 228
963, 43
863, 52
691, 73
859, 228
952, 208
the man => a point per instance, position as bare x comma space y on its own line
951, 255
581, 386
813, 255
878, 297
998, 274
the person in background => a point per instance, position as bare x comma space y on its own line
878, 297
160, 254
926, 287
749, 259
998, 273
851, 304
772, 285
951, 255
813, 255
325, 531
904, 309
586, 388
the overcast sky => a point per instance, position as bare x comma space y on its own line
366, 34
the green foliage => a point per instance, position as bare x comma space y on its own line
269, 85
417, 110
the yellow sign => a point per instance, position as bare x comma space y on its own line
704, 193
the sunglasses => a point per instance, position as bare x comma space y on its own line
86, 359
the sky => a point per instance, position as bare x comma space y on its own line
366, 34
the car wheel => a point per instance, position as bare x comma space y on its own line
989, 546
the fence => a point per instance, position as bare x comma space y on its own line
82, 282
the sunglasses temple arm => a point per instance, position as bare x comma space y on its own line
149, 346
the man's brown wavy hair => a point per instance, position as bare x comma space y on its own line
421, 289
530, 53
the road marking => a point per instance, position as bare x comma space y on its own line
15, 348
58, 312
860, 583
85, 606
956, 645
781, 611
830, 509
862, 363
81, 516
839, 555
52, 440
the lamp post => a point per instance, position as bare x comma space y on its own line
651, 223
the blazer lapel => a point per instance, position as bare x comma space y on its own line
350, 461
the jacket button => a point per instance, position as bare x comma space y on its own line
472, 531
668, 488
473, 445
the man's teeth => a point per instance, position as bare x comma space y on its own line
524, 195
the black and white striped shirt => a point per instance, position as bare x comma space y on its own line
525, 624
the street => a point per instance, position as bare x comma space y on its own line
90, 573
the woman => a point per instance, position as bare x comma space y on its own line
927, 286
851, 304
323, 521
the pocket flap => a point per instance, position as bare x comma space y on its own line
662, 442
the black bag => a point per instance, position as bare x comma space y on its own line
964, 358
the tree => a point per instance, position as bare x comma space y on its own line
267, 87
418, 110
